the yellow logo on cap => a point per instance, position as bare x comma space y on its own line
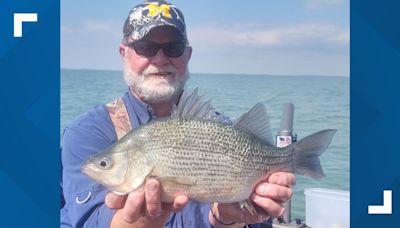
154, 10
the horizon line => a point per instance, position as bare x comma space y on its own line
255, 74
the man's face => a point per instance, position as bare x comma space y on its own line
158, 78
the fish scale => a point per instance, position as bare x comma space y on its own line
193, 153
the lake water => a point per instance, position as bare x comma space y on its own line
320, 102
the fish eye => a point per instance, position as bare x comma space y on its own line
105, 163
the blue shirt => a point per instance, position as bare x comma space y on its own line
82, 198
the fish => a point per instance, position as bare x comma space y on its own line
193, 153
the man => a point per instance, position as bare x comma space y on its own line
155, 52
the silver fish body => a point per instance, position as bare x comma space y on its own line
207, 160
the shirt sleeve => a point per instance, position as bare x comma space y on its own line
84, 198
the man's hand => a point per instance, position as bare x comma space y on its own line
143, 206
269, 196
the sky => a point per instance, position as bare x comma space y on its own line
284, 37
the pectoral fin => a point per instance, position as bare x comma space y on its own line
179, 181
173, 186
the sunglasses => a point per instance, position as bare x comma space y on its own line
149, 49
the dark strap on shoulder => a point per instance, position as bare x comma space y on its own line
119, 117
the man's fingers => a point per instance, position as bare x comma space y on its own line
115, 201
179, 203
153, 198
273, 191
282, 178
133, 206
271, 207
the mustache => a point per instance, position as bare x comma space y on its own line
157, 70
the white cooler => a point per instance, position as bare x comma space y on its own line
327, 208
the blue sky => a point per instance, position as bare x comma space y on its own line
285, 37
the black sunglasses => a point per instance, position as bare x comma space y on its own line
149, 49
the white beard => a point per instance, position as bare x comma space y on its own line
156, 89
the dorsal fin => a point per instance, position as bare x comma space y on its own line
256, 122
191, 105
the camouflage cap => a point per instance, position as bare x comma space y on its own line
150, 14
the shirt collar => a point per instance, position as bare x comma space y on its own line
143, 111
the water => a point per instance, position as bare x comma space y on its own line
320, 102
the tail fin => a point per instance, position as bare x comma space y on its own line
307, 151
